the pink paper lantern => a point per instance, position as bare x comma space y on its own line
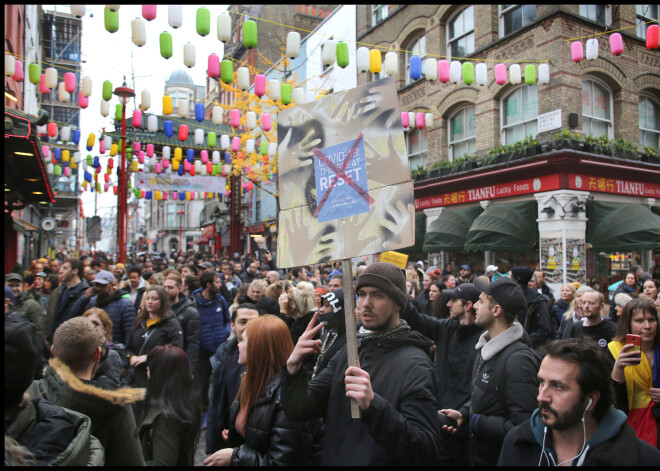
67, 172
616, 44
265, 122
141, 157
165, 193
19, 72
158, 167
500, 74
137, 119
260, 85
46, 151
143, 193
186, 166
420, 121
42, 84
83, 101
150, 150
653, 37
227, 193
235, 118
443, 71
175, 195
149, 12
236, 144
136, 147
405, 122
577, 51
101, 147
70, 82
204, 156
106, 178
111, 163
165, 163
183, 132
213, 69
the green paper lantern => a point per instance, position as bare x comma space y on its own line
111, 20
530, 74
34, 73
211, 139
286, 93
166, 44
250, 34
98, 187
118, 113
227, 71
57, 170
342, 54
203, 21
263, 148
107, 90
468, 73
90, 160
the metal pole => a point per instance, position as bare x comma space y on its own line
122, 186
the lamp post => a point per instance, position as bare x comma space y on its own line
180, 213
124, 93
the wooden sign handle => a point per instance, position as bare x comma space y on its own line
349, 316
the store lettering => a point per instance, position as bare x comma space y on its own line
481, 193
630, 187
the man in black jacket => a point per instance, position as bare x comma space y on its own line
576, 422
395, 386
536, 317
185, 309
505, 385
71, 288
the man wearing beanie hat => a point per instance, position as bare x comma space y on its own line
536, 317
395, 386
505, 385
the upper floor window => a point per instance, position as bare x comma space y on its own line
596, 109
416, 47
649, 122
520, 114
598, 13
514, 17
646, 13
460, 33
417, 148
378, 14
462, 133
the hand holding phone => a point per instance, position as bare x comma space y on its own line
636, 341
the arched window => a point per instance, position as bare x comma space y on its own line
460, 34
416, 47
462, 133
417, 148
649, 122
519, 113
596, 108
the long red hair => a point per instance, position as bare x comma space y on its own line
268, 348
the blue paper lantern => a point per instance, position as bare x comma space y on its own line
168, 128
199, 112
415, 67
180, 171
227, 158
76, 136
182, 194
148, 194
88, 176
190, 155
97, 163
57, 154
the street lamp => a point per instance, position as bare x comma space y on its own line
124, 93
180, 213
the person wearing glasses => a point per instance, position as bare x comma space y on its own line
111, 363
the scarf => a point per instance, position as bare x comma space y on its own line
402, 328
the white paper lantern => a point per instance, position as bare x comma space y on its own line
224, 27
515, 74
184, 107
299, 96
391, 63
329, 52
202, 169
62, 94
189, 54
105, 108
139, 32
412, 119
243, 78
78, 10
51, 77
166, 152
215, 157
455, 72
592, 49
272, 148
428, 119
10, 65
175, 16
224, 142
199, 137
274, 89
216, 115
363, 62
152, 123
251, 119
107, 142
481, 73
86, 87
544, 73
249, 146
66, 134
146, 100
292, 44
431, 69
198, 166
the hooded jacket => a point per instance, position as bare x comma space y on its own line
613, 444
61, 309
119, 308
29, 308
399, 428
185, 310
215, 322
112, 420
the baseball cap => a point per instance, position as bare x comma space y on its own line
465, 267
491, 268
104, 277
9, 294
465, 291
13, 277
506, 292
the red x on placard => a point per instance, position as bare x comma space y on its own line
340, 173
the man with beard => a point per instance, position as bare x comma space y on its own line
575, 423
592, 324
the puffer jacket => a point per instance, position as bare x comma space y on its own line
215, 322
271, 439
185, 310
112, 418
54, 435
61, 310
119, 308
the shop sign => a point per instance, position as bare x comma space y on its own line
549, 121
613, 185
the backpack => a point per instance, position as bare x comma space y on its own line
500, 368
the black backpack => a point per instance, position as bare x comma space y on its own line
500, 368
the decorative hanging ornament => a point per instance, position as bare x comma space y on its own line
166, 49
184, 108
500, 74
168, 128
443, 71
211, 139
149, 12
213, 69
224, 142
216, 115
286, 93
455, 71
70, 82
544, 73
265, 122
34, 73
299, 96
146, 100
260, 85
391, 63
137, 119
481, 73
62, 94
78, 10
18, 74
250, 34
235, 116
363, 59
224, 27
236, 144
292, 44
86, 87
189, 54
592, 49
243, 78
405, 122
51, 77
428, 120
111, 20
329, 52
203, 21
139, 32
83, 101
415, 67
616, 44
42, 84
107, 90
468, 73
576, 51
175, 15
530, 74
251, 120
342, 54
431, 69
274, 89
227, 71
375, 61
199, 137
652, 37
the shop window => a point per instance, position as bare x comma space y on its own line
378, 14
649, 122
462, 133
417, 148
596, 109
598, 13
520, 114
416, 47
460, 33
646, 13
514, 17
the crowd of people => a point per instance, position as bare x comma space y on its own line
123, 365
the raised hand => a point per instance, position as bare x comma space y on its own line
306, 346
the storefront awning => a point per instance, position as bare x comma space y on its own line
200, 241
508, 227
420, 229
449, 230
617, 227
23, 226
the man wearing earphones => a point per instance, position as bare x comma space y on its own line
575, 423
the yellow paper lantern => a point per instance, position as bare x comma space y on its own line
167, 104
113, 149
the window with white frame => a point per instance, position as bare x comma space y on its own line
462, 133
520, 114
596, 109
416, 47
598, 13
649, 122
417, 148
460, 33
378, 14
646, 13
514, 17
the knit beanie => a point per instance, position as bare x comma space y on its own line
387, 278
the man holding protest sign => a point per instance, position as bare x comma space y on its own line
395, 385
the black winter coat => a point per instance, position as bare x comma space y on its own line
185, 310
536, 319
271, 439
64, 304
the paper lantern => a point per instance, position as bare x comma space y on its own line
215, 157
616, 44
455, 71
166, 152
175, 165
113, 8
468, 73
168, 128
42, 84
415, 67
183, 132
249, 146
213, 69
431, 69
263, 148
274, 89
420, 121
90, 141
227, 157
235, 117
251, 119
375, 64
515, 74
209, 168
286, 93
65, 134
199, 137
260, 85
363, 59
391, 63
443, 71
184, 108
652, 37
411, 119
70, 82
250, 34
199, 112
203, 21
118, 112
34, 73
139, 32
167, 104
236, 144
481, 73
78, 10
62, 94
107, 90
57, 170
110, 20
299, 95
405, 122
224, 142
530, 74
189, 54
265, 122
86, 86
18, 74
67, 172
224, 27
272, 148
50, 168
114, 149
134, 166
152, 123
150, 150
216, 115
140, 156
292, 44
149, 12
227, 71
243, 78
66, 155
76, 136
329, 52
500, 74
111, 163
57, 155
342, 54
137, 119
211, 139
107, 141
175, 15
166, 49
592, 49
51, 77
45, 149
428, 120
576, 51
136, 147
197, 166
